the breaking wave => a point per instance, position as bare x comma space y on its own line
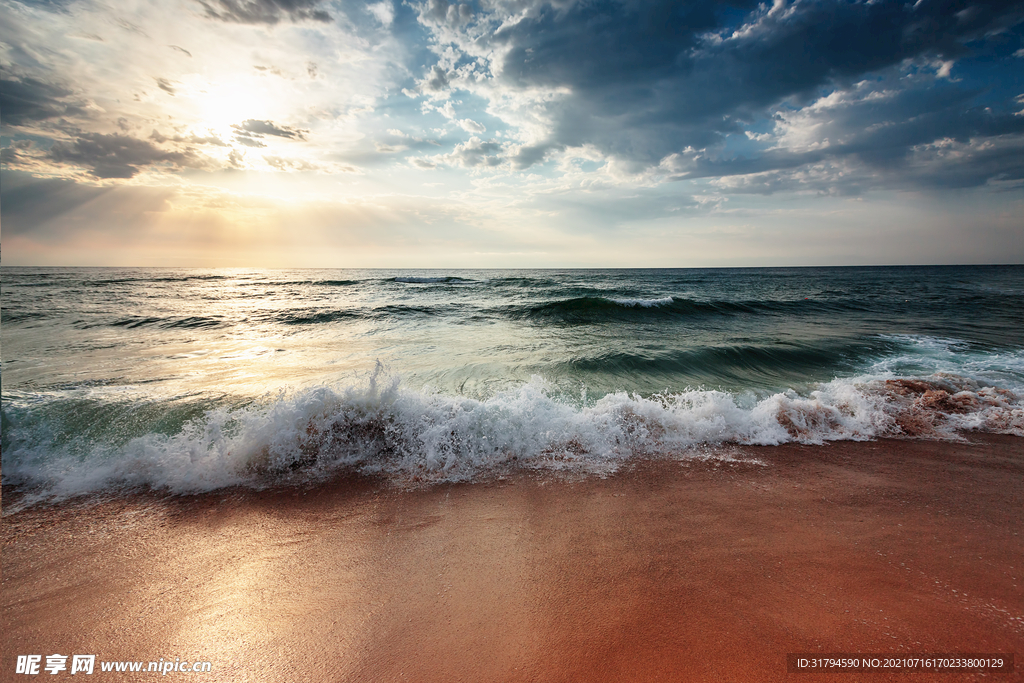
644, 303
65, 446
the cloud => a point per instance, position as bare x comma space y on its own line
286, 164
130, 27
384, 12
12, 157
528, 155
119, 156
471, 126
642, 81
874, 137
165, 85
437, 81
264, 11
192, 139
283, 164
270, 69
253, 128
475, 152
249, 141
446, 13
27, 100
51, 5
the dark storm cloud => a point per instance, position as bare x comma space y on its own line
26, 100
941, 165
264, 11
1000, 161
919, 137
645, 79
681, 61
118, 156
595, 46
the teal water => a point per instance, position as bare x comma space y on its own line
191, 379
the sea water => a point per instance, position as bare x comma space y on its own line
188, 380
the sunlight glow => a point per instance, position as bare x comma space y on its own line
221, 105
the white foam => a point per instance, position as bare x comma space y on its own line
937, 356
644, 303
384, 428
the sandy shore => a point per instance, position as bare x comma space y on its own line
668, 571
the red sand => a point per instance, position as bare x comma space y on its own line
668, 571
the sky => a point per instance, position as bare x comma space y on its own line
511, 133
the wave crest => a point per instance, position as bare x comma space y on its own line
449, 280
406, 436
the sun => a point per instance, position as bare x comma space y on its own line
227, 102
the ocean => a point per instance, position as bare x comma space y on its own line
190, 380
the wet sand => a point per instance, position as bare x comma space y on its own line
666, 571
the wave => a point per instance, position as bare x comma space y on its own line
187, 322
88, 282
18, 281
523, 282
644, 303
311, 316
9, 315
337, 283
585, 309
323, 283
64, 447
450, 280
398, 310
740, 363
317, 317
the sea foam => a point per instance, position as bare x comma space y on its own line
644, 303
382, 428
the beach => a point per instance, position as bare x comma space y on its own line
707, 567
510, 475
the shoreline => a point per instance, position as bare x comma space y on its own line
667, 570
